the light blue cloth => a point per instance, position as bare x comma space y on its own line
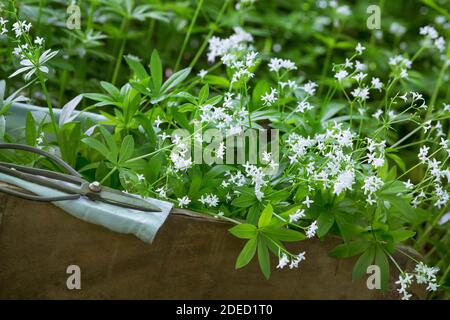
143, 225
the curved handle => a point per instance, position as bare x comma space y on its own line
57, 160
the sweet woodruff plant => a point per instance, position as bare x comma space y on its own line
360, 151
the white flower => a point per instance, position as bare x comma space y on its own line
270, 98
344, 181
376, 84
284, 260
360, 66
308, 202
21, 26
311, 231
377, 114
158, 122
429, 31
294, 262
371, 185
39, 41
202, 73
362, 93
341, 75
296, 216
162, 192
360, 76
310, 88
408, 185
440, 44
140, 177
397, 29
276, 64
303, 105
210, 200
423, 154
182, 202
32, 67
359, 48
40, 139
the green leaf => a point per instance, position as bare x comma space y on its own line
2, 92
175, 79
69, 136
265, 217
156, 71
382, 262
278, 196
111, 89
244, 201
283, 234
261, 88
324, 223
247, 253
97, 145
399, 161
263, 257
2, 127
349, 250
137, 67
148, 128
30, 130
244, 231
216, 81
203, 94
126, 149
363, 262
402, 235
112, 146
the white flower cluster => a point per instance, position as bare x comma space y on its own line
238, 42
293, 262
375, 155
371, 185
423, 274
209, 200
400, 65
180, 155
33, 58
256, 176
432, 36
438, 173
230, 118
324, 160
276, 64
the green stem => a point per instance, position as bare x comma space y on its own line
209, 35
108, 175
188, 34
49, 103
123, 31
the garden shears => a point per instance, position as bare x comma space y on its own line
73, 185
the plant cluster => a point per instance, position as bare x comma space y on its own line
361, 116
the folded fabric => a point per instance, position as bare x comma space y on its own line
143, 225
